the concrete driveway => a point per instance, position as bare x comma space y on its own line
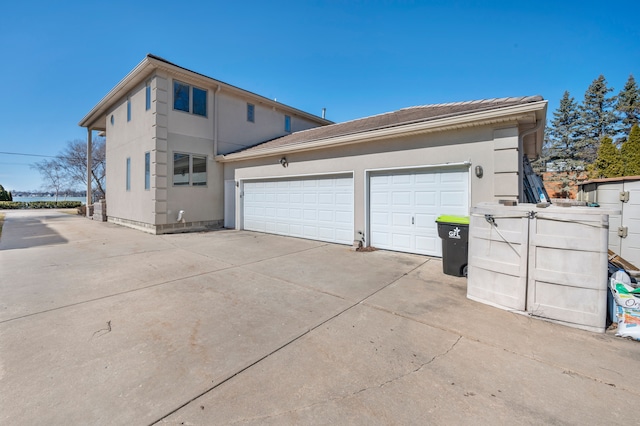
101, 324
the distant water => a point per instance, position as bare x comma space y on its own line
29, 199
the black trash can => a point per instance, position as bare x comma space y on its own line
454, 231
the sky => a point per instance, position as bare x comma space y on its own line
355, 58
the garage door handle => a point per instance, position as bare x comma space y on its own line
412, 221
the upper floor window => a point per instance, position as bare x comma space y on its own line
189, 99
147, 96
251, 113
287, 123
128, 109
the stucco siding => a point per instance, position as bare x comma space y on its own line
129, 139
474, 146
200, 203
235, 132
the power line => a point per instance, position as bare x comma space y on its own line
27, 155
97, 160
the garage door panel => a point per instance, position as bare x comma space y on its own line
401, 179
401, 198
343, 217
401, 219
316, 208
453, 199
402, 241
404, 205
425, 198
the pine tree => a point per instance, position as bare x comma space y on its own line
631, 152
629, 105
597, 119
4, 195
561, 136
609, 162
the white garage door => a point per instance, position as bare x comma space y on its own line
318, 208
403, 207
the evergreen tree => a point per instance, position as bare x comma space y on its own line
631, 152
562, 135
629, 105
597, 119
4, 195
609, 162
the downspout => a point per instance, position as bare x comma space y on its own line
538, 126
215, 121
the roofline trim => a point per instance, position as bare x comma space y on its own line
495, 116
140, 72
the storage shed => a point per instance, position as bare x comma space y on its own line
621, 194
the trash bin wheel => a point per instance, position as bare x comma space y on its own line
464, 271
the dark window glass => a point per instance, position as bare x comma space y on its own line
287, 123
199, 102
251, 113
128, 109
147, 170
180, 96
199, 170
180, 169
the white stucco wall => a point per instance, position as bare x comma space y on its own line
495, 149
163, 131
129, 139
235, 132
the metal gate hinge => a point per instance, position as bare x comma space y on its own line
623, 231
624, 196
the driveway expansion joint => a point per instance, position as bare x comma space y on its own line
298, 337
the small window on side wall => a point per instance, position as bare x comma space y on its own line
251, 113
147, 96
128, 179
287, 123
147, 170
128, 109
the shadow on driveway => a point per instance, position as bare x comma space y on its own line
23, 230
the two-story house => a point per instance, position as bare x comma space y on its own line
185, 151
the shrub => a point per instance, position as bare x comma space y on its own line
12, 205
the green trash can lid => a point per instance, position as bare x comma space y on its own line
447, 218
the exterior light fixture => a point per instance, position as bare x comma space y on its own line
479, 171
284, 162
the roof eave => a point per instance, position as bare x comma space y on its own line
500, 115
134, 77
150, 63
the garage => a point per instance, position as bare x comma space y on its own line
315, 207
404, 205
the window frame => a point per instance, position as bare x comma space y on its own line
287, 123
128, 175
251, 112
147, 96
191, 181
147, 171
191, 91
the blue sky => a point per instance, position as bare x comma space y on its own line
356, 58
